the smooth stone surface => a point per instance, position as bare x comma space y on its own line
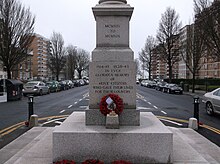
112, 54
129, 117
112, 77
112, 122
193, 124
33, 121
151, 142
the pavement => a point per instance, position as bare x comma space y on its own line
35, 146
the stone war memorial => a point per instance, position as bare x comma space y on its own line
112, 128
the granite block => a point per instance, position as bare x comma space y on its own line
112, 122
112, 54
129, 117
112, 77
151, 142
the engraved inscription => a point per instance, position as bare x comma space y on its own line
108, 76
112, 30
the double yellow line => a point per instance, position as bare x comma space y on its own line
217, 131
12, 128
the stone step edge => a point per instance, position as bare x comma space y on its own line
41, 132
208, 150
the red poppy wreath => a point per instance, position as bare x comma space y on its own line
111, 102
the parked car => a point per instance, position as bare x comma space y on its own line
76, 83
172, 88
35, 88
54, 86
63, 85
81, 82
145, 83
69, 83
212, 101
151, 84
160, 85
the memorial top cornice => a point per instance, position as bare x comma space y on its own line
112, 9
112, 1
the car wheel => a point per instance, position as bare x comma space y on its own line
209, 109
169, 91
41, 93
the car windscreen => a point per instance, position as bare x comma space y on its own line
31, 84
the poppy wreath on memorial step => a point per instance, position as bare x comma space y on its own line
118, 102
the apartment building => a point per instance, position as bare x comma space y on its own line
160, 68
185, 37
34, 67
41, 48
211, 63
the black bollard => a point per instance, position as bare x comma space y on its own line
30, 107
196, 108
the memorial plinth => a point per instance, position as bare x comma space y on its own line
151, 142
112, 69
139, 138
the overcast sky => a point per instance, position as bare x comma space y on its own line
75, 21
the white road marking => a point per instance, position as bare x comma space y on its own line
144, 108
176, 123
86, 95
75, 102
53, 120
149, 103
163, 112
58, 122
155, 107
87, 99
83, 106
62, 111
70, 106
80, 99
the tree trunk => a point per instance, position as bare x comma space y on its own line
8, 73
193, 82
80, 74
170, 73
57, 77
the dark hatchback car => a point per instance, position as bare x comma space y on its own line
172, 88
63, 85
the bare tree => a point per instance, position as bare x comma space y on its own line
145, 56
56, 59
200, 5
82, 62
138, 72
212, 28
17, 26
193, 50
71, 61
168, 37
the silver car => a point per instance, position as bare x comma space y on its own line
35, 88
212, 101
